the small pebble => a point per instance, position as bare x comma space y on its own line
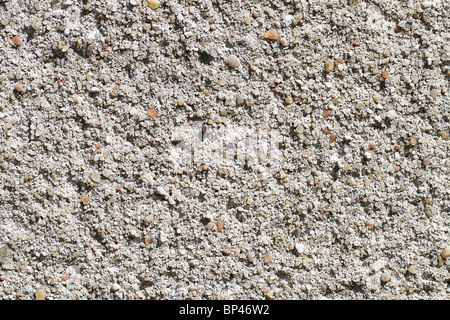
40, 294
426, 162
412, 269
326, 112
220, 225
94, 90
445, 253
84, 199
115, 287
90, 49
153, 4
360, 105
299, 248
332, 138
268, 258
413, 141
385, 277
272, 35
147, 220
329, 65
289, 100
95, 177
441, 261
233, 61
160, 191
239, 100
18, 87
106, 173
152, 113
16, 40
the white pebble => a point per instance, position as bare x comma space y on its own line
233, 61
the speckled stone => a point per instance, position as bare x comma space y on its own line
233, 61
329, 65
385, 277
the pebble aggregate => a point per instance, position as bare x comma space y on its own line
97, 96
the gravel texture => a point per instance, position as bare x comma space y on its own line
187, 149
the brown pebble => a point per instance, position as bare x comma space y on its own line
332, 137
426, 162
255, 14
445, 253
289, 100
268, 258
90, 50
226, 252
220, 225
40, 294
147, 240
272, 35
152, 113
329, 65
16, 40
84, 199
413, 141
326, 112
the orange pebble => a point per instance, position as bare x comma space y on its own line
152, 113
272, 34
16, 40
332, 138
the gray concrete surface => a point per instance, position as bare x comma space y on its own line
224, 149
